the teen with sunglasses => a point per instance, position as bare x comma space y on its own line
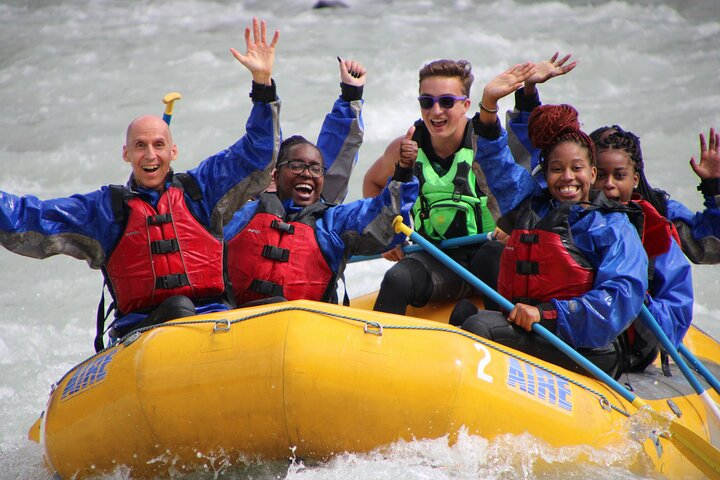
292, 244
452, 201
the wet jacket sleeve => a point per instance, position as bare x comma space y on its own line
613, 247
670, 297
339, 141
231, 177
364, 227
81, 226
516, 121
699, 232
509, 182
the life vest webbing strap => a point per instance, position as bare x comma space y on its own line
164, 246
282, 226
158, 219
525, 267
529, 238
526, 300
276, 253
172, 281
265, 287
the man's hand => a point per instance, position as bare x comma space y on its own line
408, 149
260, 56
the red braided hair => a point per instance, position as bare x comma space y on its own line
550, 125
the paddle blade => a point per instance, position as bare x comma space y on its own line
698, 450
34, 432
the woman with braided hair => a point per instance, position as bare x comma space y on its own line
699, 233
573, 262
621, 176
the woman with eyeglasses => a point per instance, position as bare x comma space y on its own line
292, 244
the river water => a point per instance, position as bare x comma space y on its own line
74, 73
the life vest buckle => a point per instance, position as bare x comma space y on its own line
172, 281
282, 226
525, 267
529, 238
164, 246
265, 287
276, 253
160, 218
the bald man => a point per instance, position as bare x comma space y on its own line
158, 239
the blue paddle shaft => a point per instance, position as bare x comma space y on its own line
537, 328
690, 357
652, 324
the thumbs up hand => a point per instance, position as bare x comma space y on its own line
408, 149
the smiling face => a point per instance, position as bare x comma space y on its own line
568, 172
149, 149
616, 175
302, 188
445, 125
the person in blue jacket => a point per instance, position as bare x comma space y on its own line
669, 297
341, 133
292, 245
573, 261
699, 232
158, 238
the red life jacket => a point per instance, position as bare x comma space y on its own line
540, 261
658, 232
657, 235
163, 252
272, 257
539, 264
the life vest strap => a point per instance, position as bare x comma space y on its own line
529, 238
172, 281
276, 253
526, 301
164, 246
282, 226
526, 267
265, 287
159, 219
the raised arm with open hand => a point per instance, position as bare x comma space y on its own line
501, 86
260, 56
547, 69
709, 166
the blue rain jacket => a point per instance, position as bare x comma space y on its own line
608, 241
84, 225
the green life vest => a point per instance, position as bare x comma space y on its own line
449, 205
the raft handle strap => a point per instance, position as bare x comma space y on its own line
222, 325
373, 328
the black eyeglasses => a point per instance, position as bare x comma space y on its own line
446, 102
298, 166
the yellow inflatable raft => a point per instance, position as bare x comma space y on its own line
311, 380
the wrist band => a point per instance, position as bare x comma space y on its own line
710, 186
483, 107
